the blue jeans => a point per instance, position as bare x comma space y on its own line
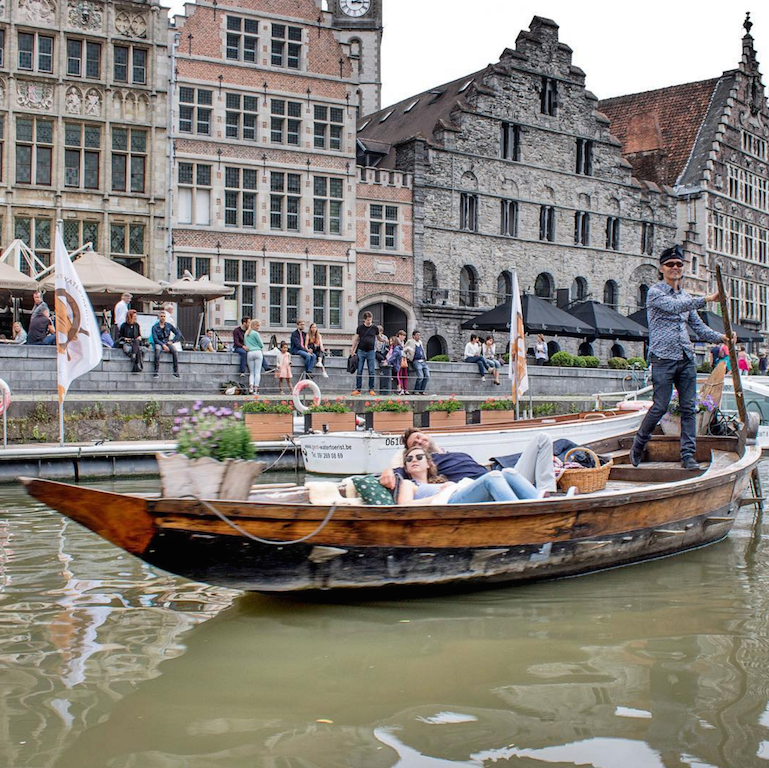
423, 375
665, 374
370, 359
483, 366
309, 359
505, 485
492, 362
243, 353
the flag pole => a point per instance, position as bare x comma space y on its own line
59, 388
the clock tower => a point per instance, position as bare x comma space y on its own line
358, 23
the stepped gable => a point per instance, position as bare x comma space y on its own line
658, 129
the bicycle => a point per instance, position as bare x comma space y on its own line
638, 378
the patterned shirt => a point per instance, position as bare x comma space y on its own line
668, 311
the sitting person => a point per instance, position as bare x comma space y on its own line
162, 333
535, 463
423, 485
41, 329
207, 342
106, 338
130, 338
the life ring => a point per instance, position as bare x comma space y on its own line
302, 385
5, 397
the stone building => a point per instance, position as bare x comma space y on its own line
709, 141
265, 103
514, 167
83, 95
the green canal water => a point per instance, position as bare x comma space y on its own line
105, 661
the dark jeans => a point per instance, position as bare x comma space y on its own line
133, 348
370, 359
243, 353
172, 351
423, 375
309, 359
483, 366
665, 375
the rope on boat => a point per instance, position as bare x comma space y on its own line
283, 453
251, 536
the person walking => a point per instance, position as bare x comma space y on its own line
255, 348
743, 361
669, 309
474, 354
415, 354
540, 351
364, 343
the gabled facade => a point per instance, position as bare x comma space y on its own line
710, 141
514, 168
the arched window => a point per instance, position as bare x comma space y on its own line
643, 290
552, 348
585, 349
611, 294
543, 286
504, 287
436, 345
429, 282
468, 287
617, 350
579, 289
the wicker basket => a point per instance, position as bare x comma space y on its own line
588, 479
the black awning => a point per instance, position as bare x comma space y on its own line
608, 323
716, 322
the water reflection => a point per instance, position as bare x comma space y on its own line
106, 662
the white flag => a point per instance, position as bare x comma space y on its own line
517, 370
78, 341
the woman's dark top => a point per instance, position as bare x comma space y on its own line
130, 331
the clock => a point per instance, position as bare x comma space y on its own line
355, 8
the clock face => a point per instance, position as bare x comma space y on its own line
355, 7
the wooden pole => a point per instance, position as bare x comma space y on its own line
738, 395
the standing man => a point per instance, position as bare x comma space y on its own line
299, 347
39, 304
364, 342
120, 313
415, 354
162, 333
668, 309
239, 345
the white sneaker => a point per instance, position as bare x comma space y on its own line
483, 378
325, 375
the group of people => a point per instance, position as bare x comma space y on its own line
720, 353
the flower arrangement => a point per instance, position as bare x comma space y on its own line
210, 431
328, 406
267, 406
446, 406
706, 403
497, 404
390, 406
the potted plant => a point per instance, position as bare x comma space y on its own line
212, 459
495, 410
268, 419
329, 416
670, 423
446, 413
391, 415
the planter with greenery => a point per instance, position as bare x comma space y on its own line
495, 410
439, 359
446, 413
391, 415
329, 416
268, 419
562, 359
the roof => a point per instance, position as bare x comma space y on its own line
659, 129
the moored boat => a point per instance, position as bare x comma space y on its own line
365, 452
277, 541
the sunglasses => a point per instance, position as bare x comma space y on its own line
414, 457
673, 264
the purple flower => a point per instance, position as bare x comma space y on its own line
177, 421
183, 411
226, 411
198, 405
174, 429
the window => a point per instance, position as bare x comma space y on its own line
286, 46
126, 245
242, 274
240, 197
242, 42
509, 218
647, 238
195, 107
543, 286
240, 117
285, 292
468, 287
35, 52
2, 152
285, 124
547, 223
754, 145
327, 295
2, 48
329, 123
643, 292
612, 233
511, 141
581, 228
194, 194
129, 157
384, 221
83, 59
585, 157
34, 150
130, 64
611, 294
77, 233
579, 289
504, 287
327, 205
81, 155
197, 267
36, 233
748, 188
285, 191
549, 96
716, 231
468, 212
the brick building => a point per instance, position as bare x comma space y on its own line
83, 94
709, 140
514, 167
265, 103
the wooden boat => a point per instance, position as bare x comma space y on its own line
370, 452
647, 512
